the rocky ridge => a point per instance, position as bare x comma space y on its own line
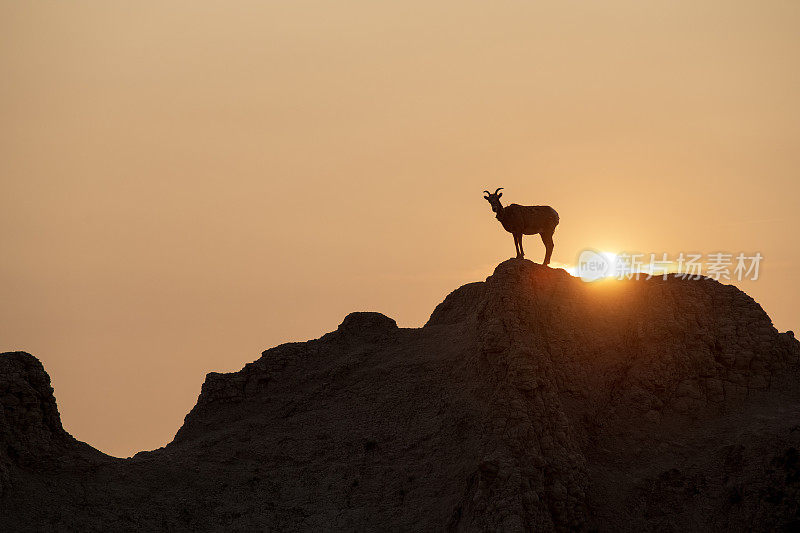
530, 401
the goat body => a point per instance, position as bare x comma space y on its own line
521, 220
528, 219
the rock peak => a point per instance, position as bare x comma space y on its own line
363, 322
30, 425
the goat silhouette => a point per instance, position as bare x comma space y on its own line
521, 220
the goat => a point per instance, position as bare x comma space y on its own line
521, 220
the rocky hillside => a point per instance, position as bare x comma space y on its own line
530, 401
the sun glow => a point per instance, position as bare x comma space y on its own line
592, 265
595, 265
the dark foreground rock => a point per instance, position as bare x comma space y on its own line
531, 401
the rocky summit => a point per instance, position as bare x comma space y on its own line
529, 402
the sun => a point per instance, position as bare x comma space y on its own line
592, 265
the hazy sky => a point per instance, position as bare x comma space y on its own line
185, 184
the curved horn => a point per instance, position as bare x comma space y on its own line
498, 189
487, 192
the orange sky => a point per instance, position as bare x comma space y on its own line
188, 183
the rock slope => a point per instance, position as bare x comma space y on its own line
530, 401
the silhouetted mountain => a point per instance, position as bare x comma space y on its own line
530, 401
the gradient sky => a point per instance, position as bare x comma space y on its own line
185, 184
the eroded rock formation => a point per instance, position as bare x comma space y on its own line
530, 401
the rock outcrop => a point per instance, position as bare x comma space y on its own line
530, 401
31, 435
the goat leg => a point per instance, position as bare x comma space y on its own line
547, 239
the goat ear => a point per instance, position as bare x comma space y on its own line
499, 195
